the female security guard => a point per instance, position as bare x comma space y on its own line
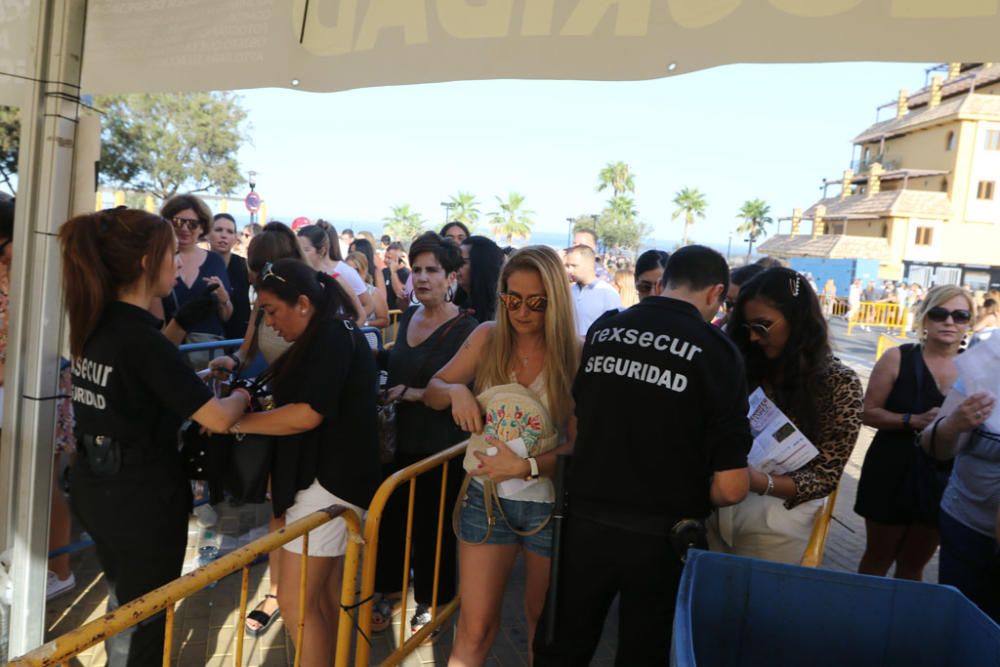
131, 392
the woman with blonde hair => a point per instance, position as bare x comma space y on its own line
378, 316
625, 285
522, 366
906, 388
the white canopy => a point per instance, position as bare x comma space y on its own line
330, 45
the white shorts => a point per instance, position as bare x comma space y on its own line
330, 539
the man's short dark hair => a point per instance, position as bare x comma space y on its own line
347, 232
770, 262
587, 230
395, 245
696, 267
386, 240
584, 250
745, 274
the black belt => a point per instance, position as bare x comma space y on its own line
130, 455
657, 525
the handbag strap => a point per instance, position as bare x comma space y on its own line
490, 499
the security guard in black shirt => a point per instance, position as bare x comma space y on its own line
662, 436
131, 392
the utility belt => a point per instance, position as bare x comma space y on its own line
107, 456
683, 533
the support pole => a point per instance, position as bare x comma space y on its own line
45, 173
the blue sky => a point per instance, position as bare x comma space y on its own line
736, 132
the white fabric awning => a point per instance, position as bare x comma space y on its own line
329, 45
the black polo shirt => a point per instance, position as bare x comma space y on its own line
661, 404
337, 380
239, 281
132, 384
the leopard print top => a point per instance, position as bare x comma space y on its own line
840, 423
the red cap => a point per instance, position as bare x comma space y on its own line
299, 223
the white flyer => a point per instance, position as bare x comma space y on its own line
512, 486
977, 367
778, 447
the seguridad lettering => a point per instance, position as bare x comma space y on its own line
84, 396
637, 370
91, 371
644, 339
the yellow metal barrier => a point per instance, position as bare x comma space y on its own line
886, 342
390, 332
813, 555
886, 315
164, 599
373, 522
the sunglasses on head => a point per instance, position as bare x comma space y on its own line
535, 302
268, 272
191, 224
939, 314
759, 328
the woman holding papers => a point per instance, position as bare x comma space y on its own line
779, 327
967, 429
900, 487
520, 414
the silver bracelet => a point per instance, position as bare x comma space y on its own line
770, 485
237, 433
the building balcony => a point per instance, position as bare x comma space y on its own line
863, 166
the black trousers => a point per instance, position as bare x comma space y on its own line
138, 520
392, 534
597, 562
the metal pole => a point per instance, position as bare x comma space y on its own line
48, 135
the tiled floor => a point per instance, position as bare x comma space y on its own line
206, 622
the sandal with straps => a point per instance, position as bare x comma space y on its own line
382, 612
421, 617
261, 617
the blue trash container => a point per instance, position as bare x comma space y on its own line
735, 611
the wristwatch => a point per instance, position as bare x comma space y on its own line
533, 462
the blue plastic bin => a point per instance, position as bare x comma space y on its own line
741, 611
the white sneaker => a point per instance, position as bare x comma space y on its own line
206, 515
57, 586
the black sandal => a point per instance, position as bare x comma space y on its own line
262, 617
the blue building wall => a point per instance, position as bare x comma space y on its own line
843, 271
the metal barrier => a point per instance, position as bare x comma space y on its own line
813, 555
887, 315
833, 306
390, 332
164, 599
373, 522
886, 342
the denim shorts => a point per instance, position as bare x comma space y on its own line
523, 515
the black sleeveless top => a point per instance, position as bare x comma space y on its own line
886, 488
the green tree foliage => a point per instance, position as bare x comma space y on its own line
9, 139
690, 203
617, 176
756, 216
403, 224
166, 143
512, 220
465, 209
619, 226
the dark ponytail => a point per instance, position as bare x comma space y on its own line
288, 279
101, 256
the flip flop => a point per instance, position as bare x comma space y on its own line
263, 618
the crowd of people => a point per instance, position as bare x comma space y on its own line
638, 375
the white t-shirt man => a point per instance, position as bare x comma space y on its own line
591, 302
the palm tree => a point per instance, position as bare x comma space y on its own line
511, 220
465, 209
621, 208
617, 176
691, 203
755, 218
403, 223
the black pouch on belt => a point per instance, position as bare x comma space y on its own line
688, 534
104, 454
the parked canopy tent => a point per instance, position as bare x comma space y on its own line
53, 50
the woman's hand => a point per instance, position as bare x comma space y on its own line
972, 412
504, 465
924, 419
465, 410
222, 367
221, 293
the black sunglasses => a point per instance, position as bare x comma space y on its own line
939, 314
535, 302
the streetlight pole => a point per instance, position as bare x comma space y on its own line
448, 205
569, 231
253, 185
729, 248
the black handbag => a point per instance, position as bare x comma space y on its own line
249, 468
204, 456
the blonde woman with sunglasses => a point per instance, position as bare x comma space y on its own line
522, 368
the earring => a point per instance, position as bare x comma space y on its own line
450, 296
302, 311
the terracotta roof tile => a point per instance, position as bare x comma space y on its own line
982, 77
922, 203
829, 246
